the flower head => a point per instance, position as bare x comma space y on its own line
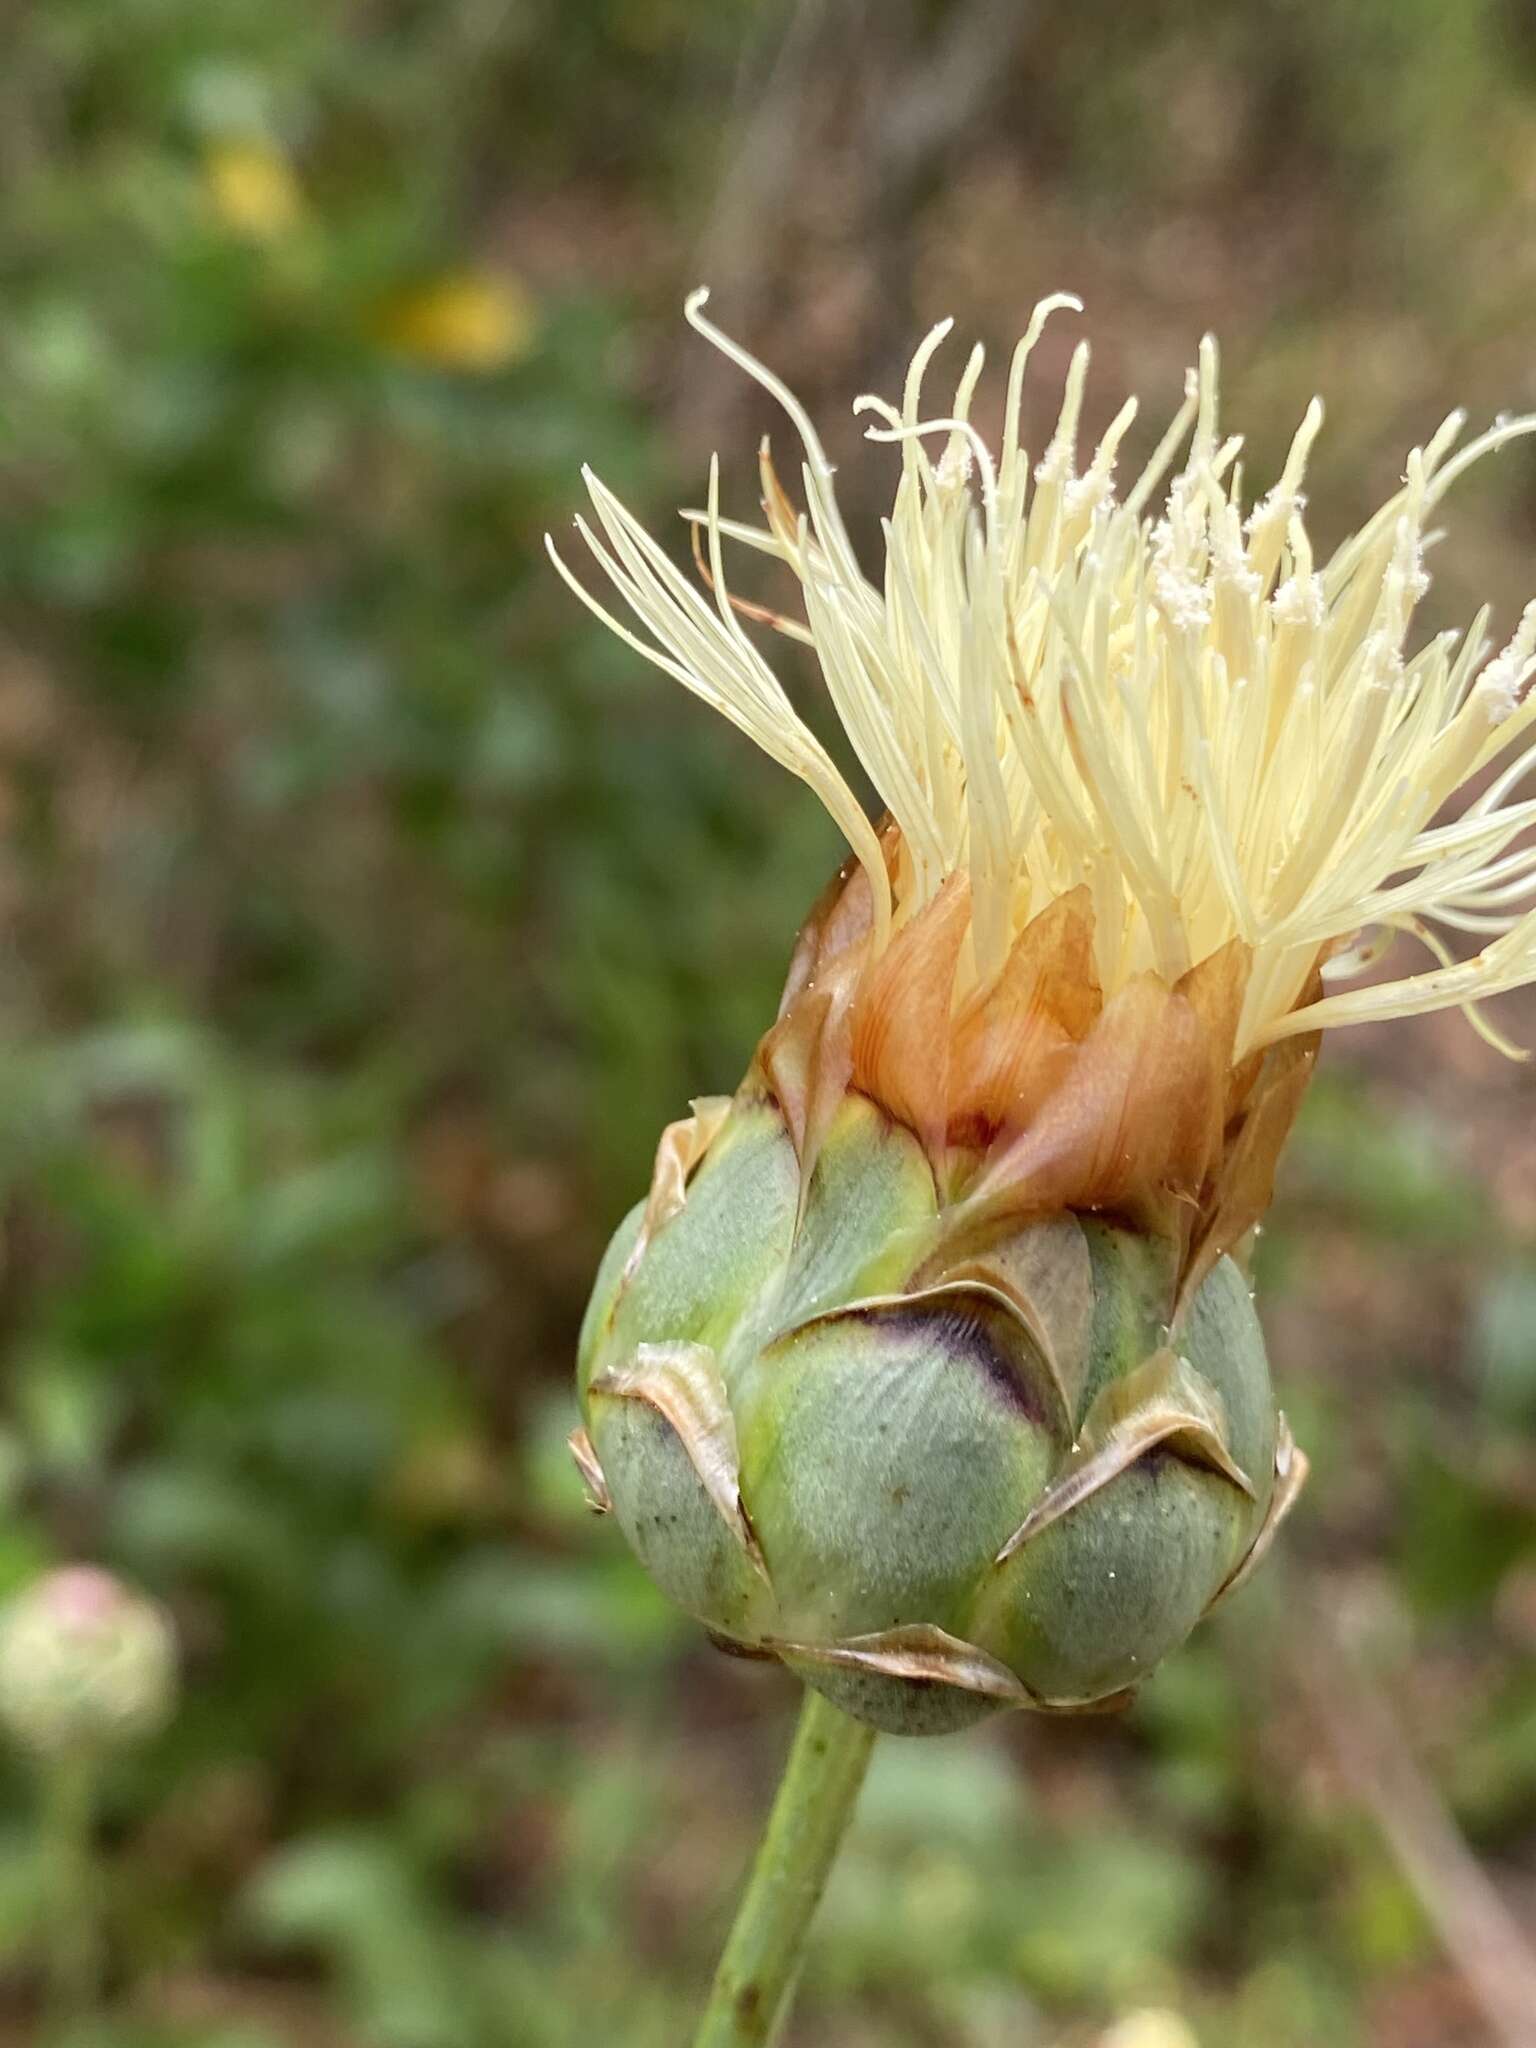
928, 1365
252, 188
1159, 698
1150, 2029
467, 321
86, 1664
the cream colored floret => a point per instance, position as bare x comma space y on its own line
1048, 685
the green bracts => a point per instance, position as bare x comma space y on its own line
934, 1475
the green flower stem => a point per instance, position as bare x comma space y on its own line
815, 1803
73, 1930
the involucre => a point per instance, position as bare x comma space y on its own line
945, 1427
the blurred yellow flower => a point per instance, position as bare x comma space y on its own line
252, 188
1151, 2030
465, 320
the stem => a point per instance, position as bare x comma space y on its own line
811, 1812
73, 1935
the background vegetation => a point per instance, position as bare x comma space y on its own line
365, 914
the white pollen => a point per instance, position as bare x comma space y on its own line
1184, 603
1300, 601
1498, 689
1088, 494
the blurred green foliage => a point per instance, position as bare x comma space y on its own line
365, 914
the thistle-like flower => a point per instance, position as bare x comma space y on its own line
929, 1364
86, 1665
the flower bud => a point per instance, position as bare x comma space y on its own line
935, 1468
86, 1665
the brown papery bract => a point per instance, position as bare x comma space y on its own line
1032, 1096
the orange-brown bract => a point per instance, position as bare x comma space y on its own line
1033, 1095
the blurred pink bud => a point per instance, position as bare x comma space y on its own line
86, 1664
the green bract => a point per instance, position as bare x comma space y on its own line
934, 1479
